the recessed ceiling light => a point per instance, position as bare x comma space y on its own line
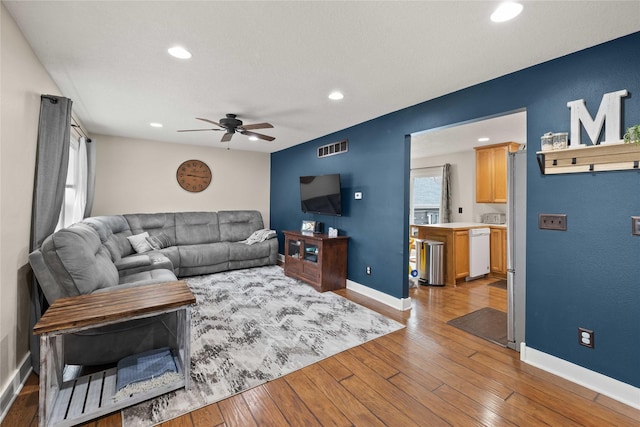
179, 52
253, 138
336, 96
506, 11
155, 125
483, 139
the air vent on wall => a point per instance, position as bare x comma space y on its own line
333, 149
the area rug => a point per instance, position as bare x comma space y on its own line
252, 326
502, 284
487, 323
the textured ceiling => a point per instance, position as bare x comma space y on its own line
277, 61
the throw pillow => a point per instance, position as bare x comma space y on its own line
139, 242
159, 241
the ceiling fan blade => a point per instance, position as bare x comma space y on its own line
209, 121
257, 135
194, 130
227, 137
257, 126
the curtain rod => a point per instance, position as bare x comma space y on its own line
76, 126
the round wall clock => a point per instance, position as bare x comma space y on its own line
193, 175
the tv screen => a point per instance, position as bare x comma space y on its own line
321, 194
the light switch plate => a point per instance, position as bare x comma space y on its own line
358, 195
552, 222
635, 225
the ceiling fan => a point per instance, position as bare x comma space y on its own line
231, 125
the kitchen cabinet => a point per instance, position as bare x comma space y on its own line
491, 172
461, 238
455, 236
498, 251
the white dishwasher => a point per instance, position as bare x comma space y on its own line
478, 252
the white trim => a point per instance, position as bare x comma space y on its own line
622, 392
402, 304
12, 390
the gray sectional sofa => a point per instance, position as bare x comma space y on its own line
98, 254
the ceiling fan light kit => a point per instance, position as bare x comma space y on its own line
231, 125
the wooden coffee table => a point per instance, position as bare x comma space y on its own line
67, 403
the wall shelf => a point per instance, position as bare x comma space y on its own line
590, 158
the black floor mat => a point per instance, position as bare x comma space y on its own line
502, 284
487, 323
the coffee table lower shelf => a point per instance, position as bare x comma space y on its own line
90, 396
67, 402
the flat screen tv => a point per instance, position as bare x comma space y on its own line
321, 194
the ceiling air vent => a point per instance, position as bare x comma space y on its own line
333, 149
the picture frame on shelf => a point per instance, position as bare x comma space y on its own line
308, 226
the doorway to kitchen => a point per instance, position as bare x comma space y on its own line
466, 170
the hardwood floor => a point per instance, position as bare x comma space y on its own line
428, 374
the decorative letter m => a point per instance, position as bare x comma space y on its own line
609, 110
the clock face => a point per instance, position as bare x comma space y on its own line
193, 175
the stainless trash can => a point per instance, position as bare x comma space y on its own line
430, 262
435, 276
421, 260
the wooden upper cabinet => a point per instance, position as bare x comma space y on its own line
491, 172
484, 176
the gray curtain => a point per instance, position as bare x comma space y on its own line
52, 158
445, 197
91, 175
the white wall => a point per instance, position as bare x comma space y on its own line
463, 185
23, 80
136, 176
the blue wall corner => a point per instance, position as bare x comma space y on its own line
584, 277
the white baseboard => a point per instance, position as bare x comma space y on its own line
13, 388
622, 392
402, 304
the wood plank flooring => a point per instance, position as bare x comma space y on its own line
428, 374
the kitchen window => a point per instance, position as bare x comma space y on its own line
426, 195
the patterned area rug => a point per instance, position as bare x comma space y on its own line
252, 326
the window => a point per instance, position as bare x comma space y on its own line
75, 194
426, 191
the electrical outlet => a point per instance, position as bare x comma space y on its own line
586, 337
368, 270
552, 222
459, 210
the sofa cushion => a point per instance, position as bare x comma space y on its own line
242, 251
194, 228
139, 242
172, 253
143, 262
79, 260
238, 225
113, 231
159, 241
146, 278
154, 224
203, 255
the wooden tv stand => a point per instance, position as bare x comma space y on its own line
316, 259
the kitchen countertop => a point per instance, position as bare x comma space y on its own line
460, 225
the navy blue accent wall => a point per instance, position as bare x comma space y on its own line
588, 276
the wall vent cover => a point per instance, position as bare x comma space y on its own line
333, 149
